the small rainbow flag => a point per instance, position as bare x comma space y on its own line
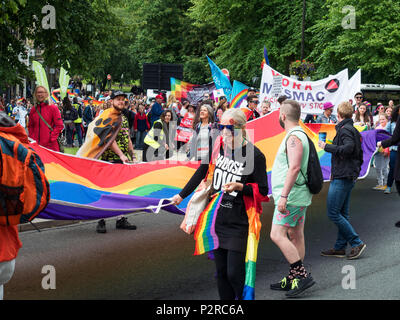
205, 236
238, 99
54, 97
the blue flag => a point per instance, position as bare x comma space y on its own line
220, 79
266, 56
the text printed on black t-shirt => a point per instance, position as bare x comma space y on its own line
227, 170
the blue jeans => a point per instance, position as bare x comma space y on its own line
338, 204
139, 144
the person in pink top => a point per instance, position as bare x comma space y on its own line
37, 128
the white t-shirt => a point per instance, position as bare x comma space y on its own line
20, 114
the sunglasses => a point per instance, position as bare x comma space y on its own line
230, 127
254, 101
358, 97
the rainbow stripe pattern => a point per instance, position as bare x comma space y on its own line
239, 93
206, 239
180, 88
85, 188
239, 98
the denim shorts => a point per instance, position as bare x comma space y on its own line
294, 215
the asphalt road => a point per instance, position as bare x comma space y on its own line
156, 262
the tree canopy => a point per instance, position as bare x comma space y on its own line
98, 37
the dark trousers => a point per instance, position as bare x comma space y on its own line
78, 130
392, 163
69, 131
231, 272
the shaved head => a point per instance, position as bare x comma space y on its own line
291, 109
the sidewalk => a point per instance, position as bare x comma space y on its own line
44, 224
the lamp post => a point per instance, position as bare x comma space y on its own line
303, 23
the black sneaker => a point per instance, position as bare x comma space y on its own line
283, 285
299, 285
397, 224
123, 223
101, 226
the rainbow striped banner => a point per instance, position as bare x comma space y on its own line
206, 239
77, 183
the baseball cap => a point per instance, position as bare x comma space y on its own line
117, 94
159, 96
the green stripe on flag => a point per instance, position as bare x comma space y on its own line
250, 274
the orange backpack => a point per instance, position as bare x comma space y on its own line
24, 189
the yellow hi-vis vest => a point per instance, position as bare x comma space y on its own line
79, 120
149, 139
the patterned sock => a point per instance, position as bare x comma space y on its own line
297, 270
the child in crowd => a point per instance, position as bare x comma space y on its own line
382, 156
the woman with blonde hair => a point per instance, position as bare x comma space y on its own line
239, 172
45, 122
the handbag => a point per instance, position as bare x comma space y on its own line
60, 145
199, 200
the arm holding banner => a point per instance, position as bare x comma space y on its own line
395, 139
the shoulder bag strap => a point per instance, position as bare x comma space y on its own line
41, 117
287, 160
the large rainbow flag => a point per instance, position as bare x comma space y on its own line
83, 188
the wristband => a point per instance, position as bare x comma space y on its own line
284, 197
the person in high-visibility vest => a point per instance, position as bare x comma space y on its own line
159, 141
78, 122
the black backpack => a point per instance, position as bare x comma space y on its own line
315, 179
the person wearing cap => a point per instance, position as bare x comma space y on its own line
251, 109
359, 99
380, 110
119, 151
327, 116
251, 92
156, 110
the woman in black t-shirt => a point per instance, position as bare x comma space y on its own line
238, 163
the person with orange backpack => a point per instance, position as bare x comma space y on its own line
24, 191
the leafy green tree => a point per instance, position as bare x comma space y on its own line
82, 31
373, 45
244, 27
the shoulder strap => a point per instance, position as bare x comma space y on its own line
287, 160
41, 117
